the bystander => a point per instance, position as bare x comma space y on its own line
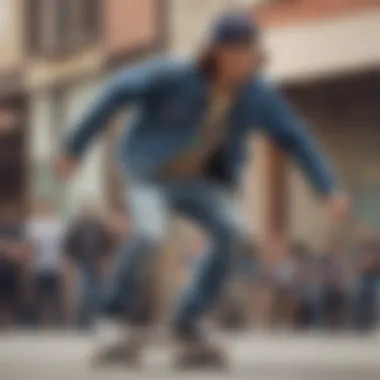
45, 232
13, 258
366, 294
87, 241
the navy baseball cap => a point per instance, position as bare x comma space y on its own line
233, 28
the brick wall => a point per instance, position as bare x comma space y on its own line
282, 13
130, 24
10, 34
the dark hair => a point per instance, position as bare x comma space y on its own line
207, 63
207, 60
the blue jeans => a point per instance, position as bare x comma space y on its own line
326, 301
313, 296
204, 202
90, 293
366, 301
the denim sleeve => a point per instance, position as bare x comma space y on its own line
282, 125
128, 87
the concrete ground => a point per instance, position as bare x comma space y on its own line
253, 356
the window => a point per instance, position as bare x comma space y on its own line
91, 19
56, 26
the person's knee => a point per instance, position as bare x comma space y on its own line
233, 231
221, 232
149, 214
227, 238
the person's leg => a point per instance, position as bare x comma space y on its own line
361, 302
149, 220
123, 287
212, 208
52, 298
58, 299
342, 309
47, 296
40, 300
377, 302
315, 294
90, 293
8, 295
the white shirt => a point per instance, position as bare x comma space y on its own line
46, 235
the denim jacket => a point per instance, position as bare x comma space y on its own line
169, 99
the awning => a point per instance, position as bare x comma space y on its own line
325, 47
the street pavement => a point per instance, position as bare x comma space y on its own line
258, 356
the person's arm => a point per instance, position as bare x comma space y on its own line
70, 283
282, 125
127, 88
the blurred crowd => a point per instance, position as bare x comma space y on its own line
335, 288
51, 271
51, 275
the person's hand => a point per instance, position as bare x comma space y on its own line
338, 205
65, 166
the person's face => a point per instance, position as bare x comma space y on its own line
237, 63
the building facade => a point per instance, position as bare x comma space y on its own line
12, 106
63, 69
325, 55
56, 55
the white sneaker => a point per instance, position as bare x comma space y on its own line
109, 331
